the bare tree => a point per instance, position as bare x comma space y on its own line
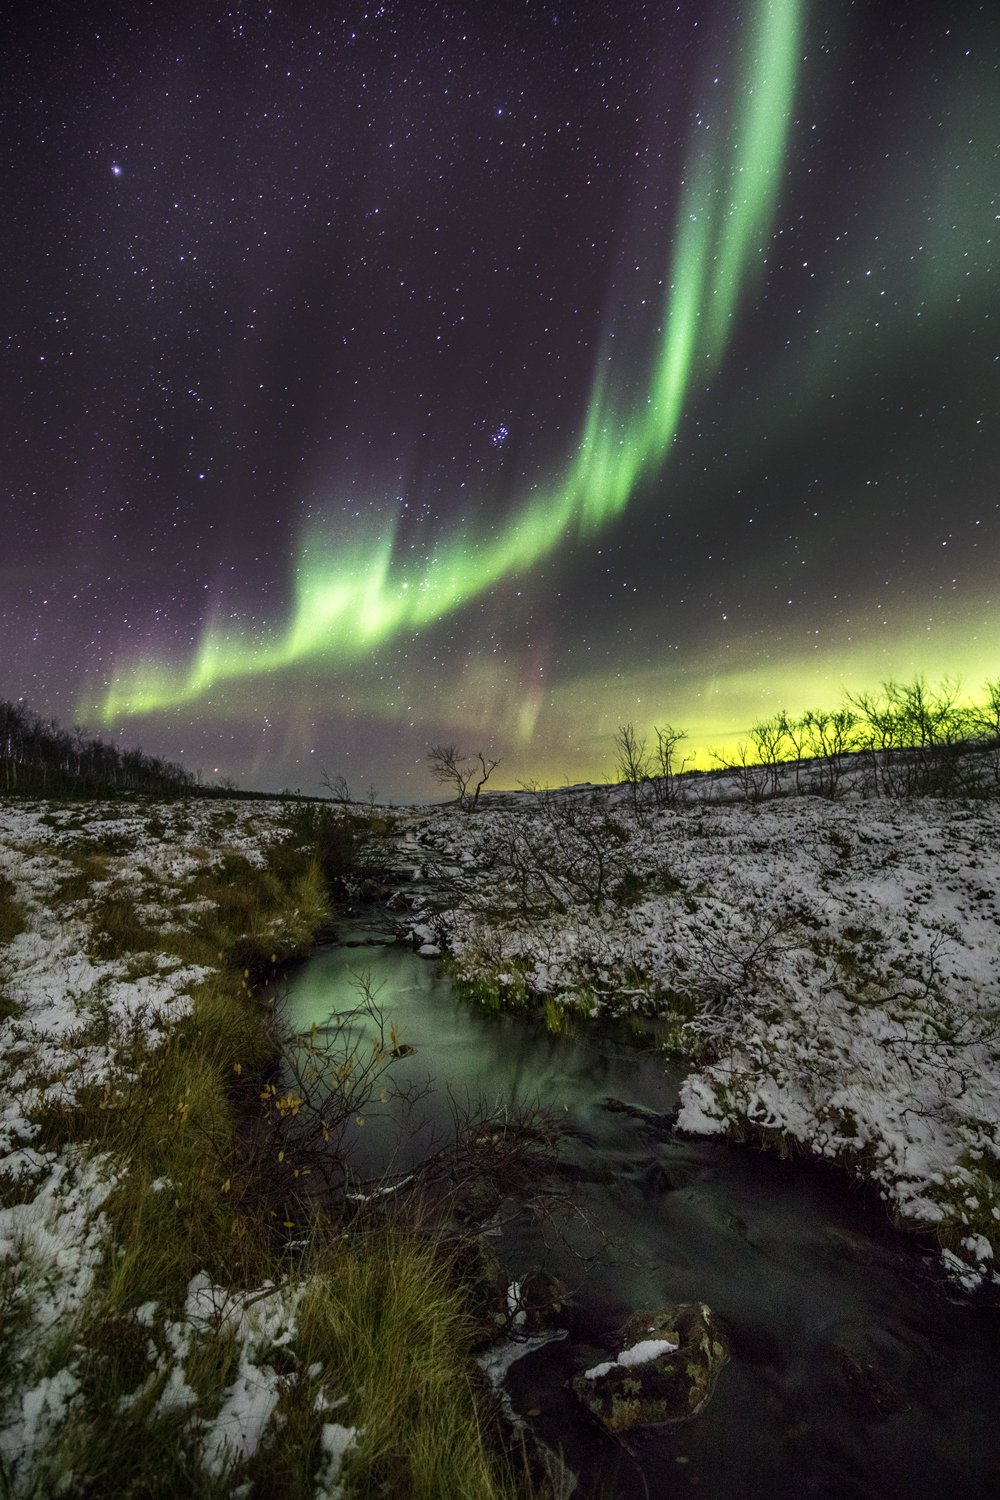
771, 744
831, 737
914, 736
986, 729
337, 787
750, 776
466, 773
633, 764
797, 733
667, 766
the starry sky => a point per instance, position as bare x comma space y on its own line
381, 375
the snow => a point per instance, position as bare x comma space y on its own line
497, 1360
829, 968
636, 1354
516, 1312
65, 1025
335, 1442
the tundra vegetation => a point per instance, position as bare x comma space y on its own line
194, 1303
813, 926
187, 1308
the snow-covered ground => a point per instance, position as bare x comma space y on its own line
67, 1020
833, 967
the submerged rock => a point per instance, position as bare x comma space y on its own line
665, 1371
875, 1394
663, 1123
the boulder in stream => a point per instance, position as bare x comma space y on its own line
664, 1372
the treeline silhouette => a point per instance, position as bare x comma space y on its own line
908, 739
39, 758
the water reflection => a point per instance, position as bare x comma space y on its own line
852, 1375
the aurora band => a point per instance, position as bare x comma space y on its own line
350, 600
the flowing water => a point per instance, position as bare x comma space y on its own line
853, 1373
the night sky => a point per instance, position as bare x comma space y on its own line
381, 375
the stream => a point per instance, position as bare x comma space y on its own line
813, 1284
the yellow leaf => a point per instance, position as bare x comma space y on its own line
227, 1185
281, 1155
246, 973
274, 958
237, 1067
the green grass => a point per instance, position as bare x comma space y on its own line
201, 1186
389, 1321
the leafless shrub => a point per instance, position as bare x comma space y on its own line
559, 855
337, 787
914, 738
927, 1033
634, 765
668, 767
467, 774
751, 778
735, 969
327, 1078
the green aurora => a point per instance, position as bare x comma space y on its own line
360, 599
351, 599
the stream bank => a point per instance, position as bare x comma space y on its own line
852, 1373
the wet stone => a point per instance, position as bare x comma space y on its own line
664, 1124
875, 1394
663, 1372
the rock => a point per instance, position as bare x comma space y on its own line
656, 1121
875, 1394
664, 1372
536, 1301
861, 1251
880, 1365
519, 1308
476, 1201
656, 1179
